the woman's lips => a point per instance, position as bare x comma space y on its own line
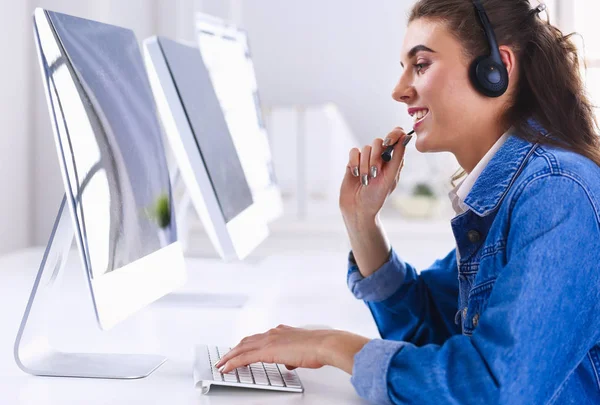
418, 123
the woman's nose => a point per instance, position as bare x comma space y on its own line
403, 93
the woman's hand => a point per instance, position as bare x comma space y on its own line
295, 347
368, 181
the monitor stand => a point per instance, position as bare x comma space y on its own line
33, 352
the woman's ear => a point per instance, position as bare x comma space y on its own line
508, 59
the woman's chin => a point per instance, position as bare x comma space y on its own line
425, 144
422, 144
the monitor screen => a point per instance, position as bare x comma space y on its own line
110, 139
208, 125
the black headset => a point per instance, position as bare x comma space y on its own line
487, 72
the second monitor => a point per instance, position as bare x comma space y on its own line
226, 53
203, 147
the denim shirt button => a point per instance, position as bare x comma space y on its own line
474, 236
475, 320
465, 313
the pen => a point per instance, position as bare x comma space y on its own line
387, 153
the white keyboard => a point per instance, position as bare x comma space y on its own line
262, 376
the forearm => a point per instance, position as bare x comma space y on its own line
369, 243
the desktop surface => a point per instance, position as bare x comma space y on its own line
287, 289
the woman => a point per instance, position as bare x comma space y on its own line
512, 314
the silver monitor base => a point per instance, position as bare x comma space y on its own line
94, 365
203, 300
33, 352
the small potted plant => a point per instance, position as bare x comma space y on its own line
160, 213
422, 203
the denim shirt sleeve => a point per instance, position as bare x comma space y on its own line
418, 308
370, 371
541, 317
379, 285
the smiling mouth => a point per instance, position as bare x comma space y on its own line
420, 116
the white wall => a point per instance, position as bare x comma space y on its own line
15, 139
344, 51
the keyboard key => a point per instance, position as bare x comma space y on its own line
259, 380
230, 378
213, 357
223, 350
293, 384
277, 382
271, 372
290, 378
246, 379
245, 376
275, 378
261, 377
213, 354
256, 370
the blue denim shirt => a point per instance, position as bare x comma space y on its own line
517, 321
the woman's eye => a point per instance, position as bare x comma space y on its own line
420, 66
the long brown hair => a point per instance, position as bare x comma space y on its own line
550, 88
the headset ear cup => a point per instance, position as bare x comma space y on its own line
479, 74
473, 74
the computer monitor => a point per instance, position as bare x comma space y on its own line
112, 160
203, 147
226, 54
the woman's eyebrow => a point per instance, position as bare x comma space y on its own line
415, 49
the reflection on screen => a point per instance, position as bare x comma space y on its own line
110, 140
230, 66
209, 127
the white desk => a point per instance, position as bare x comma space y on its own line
292, 290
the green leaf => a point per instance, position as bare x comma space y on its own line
160, 211
423, 189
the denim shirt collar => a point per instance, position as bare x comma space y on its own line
500, 173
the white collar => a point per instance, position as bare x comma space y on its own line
459, 193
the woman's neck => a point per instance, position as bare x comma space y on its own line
471, 153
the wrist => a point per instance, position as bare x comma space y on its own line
339, 348
370, 245
362, 223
